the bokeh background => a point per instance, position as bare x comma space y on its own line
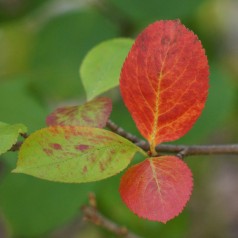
42, 44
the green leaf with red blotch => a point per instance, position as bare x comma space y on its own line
164, 81
74, 154
157, 188
94, 114
9, 135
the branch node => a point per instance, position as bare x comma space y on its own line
24, 135
181, 154
92, 200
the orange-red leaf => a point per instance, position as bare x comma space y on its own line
157, 188
164, 81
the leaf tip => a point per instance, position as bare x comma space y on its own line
16, 171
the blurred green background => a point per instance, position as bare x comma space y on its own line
42, 44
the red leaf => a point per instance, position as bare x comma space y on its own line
157, 188
94, 113
164, 81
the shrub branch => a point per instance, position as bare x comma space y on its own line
92, 215
180, 150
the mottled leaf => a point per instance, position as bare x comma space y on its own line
100, 70
9, 135
164, 81
94, 114
74, 154
157, 188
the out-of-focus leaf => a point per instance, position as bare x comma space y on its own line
164, 81
14, 38
60, 47
12, 10
74, 154
34, 207
144, 12
9, 135
94, 113
100, 70
218, 107
18, 104
31, 206
157, 188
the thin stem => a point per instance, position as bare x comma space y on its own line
180, 150
92, 215
18, 144
198, 149
115, 128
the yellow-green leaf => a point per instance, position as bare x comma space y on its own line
74, 154
100, 70
9, 135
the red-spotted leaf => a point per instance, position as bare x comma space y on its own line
74, 154
164, 81
94, 113
157, 188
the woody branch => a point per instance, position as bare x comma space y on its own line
91, 214
180, 150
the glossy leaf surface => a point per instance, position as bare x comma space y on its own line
157, 188
74, 154
9, 135
164, 81
94, 114
100, 70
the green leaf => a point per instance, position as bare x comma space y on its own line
33, 207
94, 114
55, 62
100, 70
74, 154
144, 12
19, 104
9, 135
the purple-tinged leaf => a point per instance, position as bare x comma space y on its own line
94, 113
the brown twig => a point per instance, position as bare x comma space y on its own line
24, 135
180, 150
115, 128
186, 150
92, 215
17, 145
